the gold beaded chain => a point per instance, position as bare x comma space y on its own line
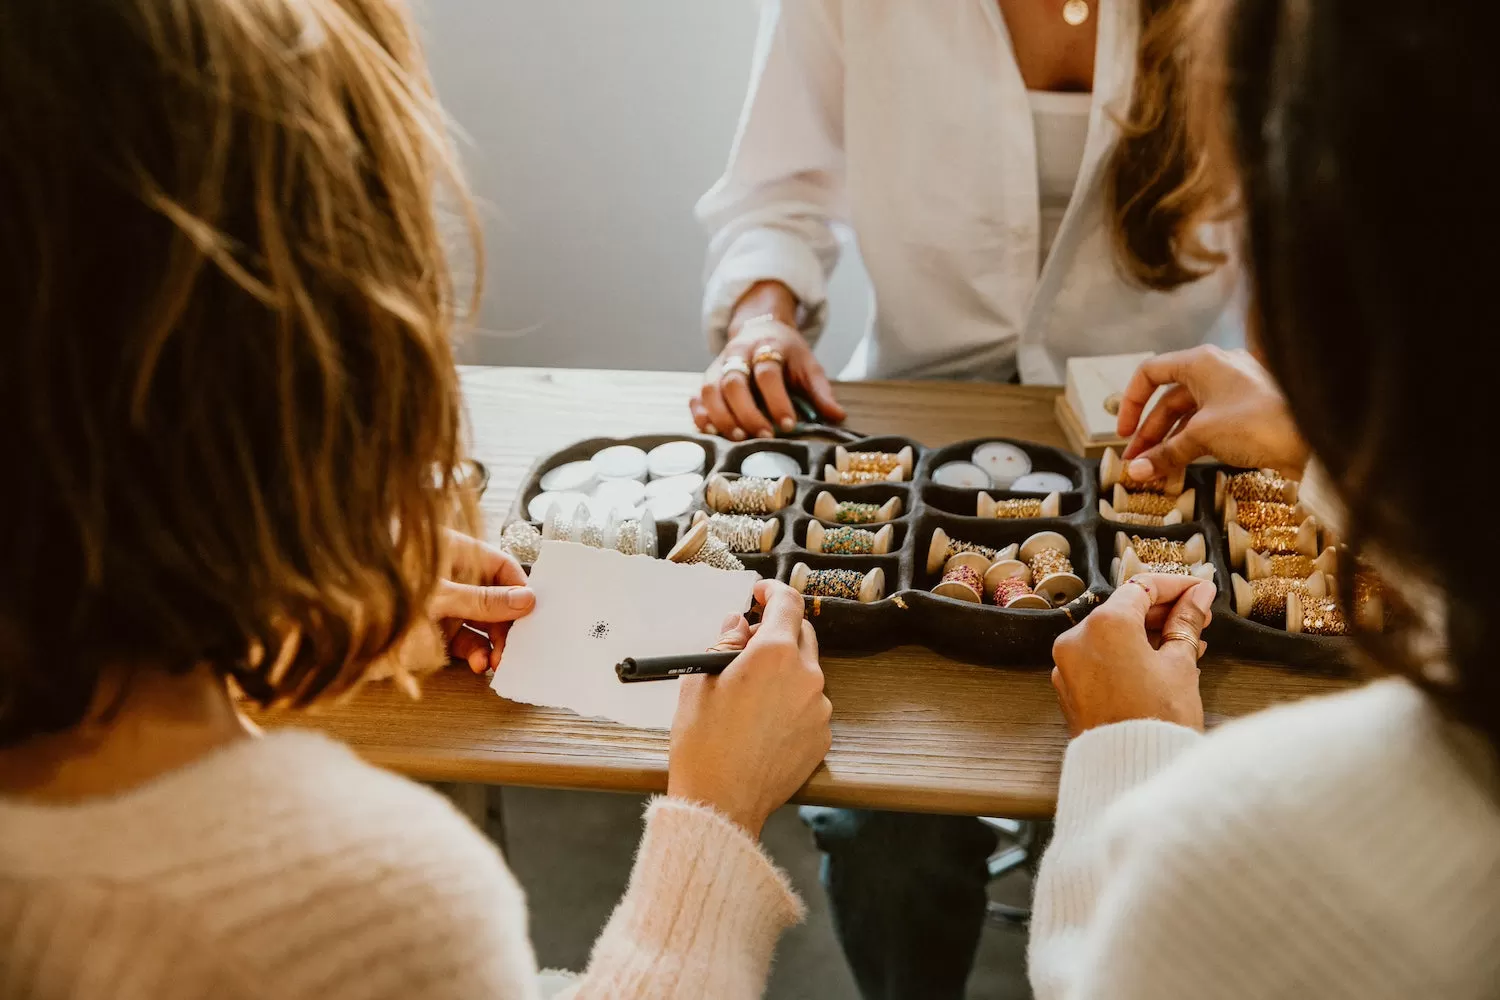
1018, 508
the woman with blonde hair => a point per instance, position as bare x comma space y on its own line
231, 452
1020, 181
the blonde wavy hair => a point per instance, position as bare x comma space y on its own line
232, 416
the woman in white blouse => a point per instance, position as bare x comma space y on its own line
1005, 217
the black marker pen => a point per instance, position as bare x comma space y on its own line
664, 668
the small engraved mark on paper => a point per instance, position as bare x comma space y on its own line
599, 630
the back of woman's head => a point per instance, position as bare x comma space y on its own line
229, 410
1361, 131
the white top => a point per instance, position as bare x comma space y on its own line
1342, 848
910, 123
286, 867
1062, 127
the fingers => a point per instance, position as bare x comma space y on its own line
700, 416
741, 402
733, 636
1189, 616
781, 619
810, 375
1177, 451
1158, 371
475, 561
481, 604
1136, 597
1174, 404
471, 647
718, 413
809, 644
770, 377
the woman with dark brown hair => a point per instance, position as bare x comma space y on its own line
1346, 846
231, 449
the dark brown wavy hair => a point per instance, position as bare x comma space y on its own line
1357, 129
229, 416
1161, 190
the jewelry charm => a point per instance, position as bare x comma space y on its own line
1075, 12
767, 353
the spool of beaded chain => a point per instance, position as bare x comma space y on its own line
1192, 551
888, 466
1299, 540
741, 532
632, 536
1108, 512
522, 540
699, 546
1156, 504
1255, 514
844, 584
748, 494
849, 541
1259, 484
827, 508
1259, 565
1369, 598
963, 578
1008, 582
943, 547
1019, 507
1307, 615
1046, 555
1265, 600
1112, 472
1131, 565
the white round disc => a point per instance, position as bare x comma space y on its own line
574, 477
543, 502
962, 475
620, 461
676, 458
620, 494
770, 465
1042, 482
1004, 462
666, 506
685, 483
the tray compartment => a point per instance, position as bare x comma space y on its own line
966, 502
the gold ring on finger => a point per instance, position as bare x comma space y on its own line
733, 366
767, 353
1180, 635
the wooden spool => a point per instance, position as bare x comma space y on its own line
767, 534
1195, 549
957, 589
826, 507
1258, 564
1112, 471
1239, 542
690, 544
1051, 505
716, 494
834, 477
1231, 511
871, 588
1186, 501
1107, 511
1221, 489
1058, 588
1007, 569
1131, 565
1244, 592
816, 531
937, 552
901, 473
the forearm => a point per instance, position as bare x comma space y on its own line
700, 918
764, 298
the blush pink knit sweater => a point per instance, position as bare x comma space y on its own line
286, 867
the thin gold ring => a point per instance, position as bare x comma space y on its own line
1180, 635
767, 353
733, 366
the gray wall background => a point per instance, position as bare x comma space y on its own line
592, 127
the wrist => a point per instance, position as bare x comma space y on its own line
749, 819
764, 298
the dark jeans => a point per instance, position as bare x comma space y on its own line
908, 897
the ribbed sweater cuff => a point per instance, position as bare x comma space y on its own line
1104, 763
703, 912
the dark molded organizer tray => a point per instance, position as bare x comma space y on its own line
909, 613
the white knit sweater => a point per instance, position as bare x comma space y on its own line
1343, 847
285, 867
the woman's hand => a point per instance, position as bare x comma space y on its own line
1223, 404
475, 614
746, 740
1136, 655
764, 345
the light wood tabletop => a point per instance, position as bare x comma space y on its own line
911, 730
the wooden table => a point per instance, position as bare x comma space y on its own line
911, 730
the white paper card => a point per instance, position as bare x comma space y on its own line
594, 607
